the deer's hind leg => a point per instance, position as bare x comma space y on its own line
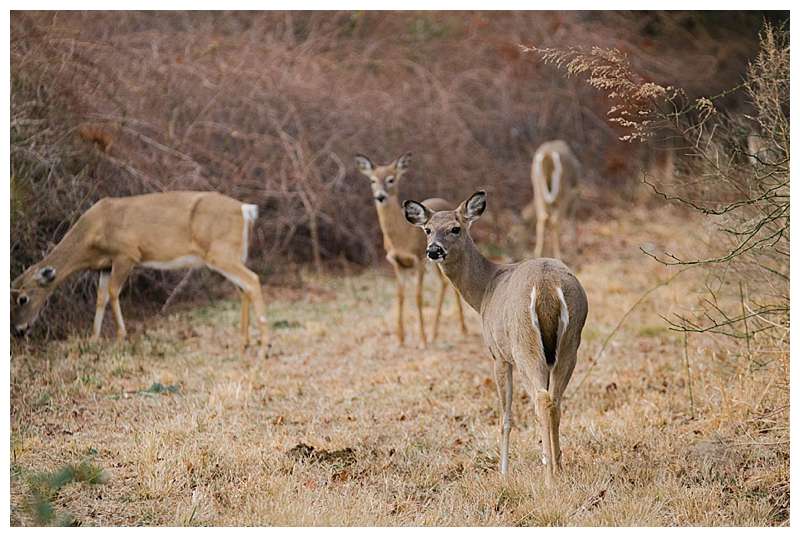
503, 377
536, 378
547, 414
102, 302
245, 321
559, 378
246, 280
555, 234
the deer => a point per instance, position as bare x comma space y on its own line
532, 314
554, 174
404, 244
166, 231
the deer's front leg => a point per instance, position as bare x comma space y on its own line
541, 220
439, 302
420, 303
460, 308
120, 269
400, 296
102, 302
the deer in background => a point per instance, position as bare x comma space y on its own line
404, 244
554, 174
532, 314
169, 230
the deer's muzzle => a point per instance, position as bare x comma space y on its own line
435, 252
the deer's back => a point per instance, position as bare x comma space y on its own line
530, 285
164, 225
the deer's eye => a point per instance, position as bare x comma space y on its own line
22, 300
427, 230
456, 230
390, 180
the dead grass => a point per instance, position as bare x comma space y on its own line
342, 427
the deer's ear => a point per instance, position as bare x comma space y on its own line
473, 208
45, 276
364, 164
416, 213
403, 162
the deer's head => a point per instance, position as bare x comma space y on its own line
447, 231
384, 179
29, 292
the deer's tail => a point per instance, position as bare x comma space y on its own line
550, 189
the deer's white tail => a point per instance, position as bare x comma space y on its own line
249, 213
549, 324
549, 195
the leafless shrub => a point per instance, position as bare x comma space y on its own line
747, 198
270, 107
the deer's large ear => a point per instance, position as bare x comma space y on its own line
45, 276
416, 213
403, 162
473, 208
364, 164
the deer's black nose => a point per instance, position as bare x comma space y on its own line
436, 252
381, 198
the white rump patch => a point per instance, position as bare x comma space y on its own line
563, 317
187, 261
249, 213
535, 323
548, 195
534, 317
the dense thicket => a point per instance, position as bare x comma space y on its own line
270, 108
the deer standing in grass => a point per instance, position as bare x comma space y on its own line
532, 313
405, 245
554, 174
169, 230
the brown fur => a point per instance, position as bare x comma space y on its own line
542, 350
550, 214
404, 245
117, 234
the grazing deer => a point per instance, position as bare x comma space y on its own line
554, 174
165, 231
532, 313
405, 245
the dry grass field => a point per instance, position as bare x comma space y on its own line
342, 427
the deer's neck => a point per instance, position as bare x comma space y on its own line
392, 221
471, 273
69, 256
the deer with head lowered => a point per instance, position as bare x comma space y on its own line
165, 231
554, 175
532, 314
405, 245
